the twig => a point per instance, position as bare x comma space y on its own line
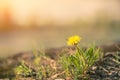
56, 75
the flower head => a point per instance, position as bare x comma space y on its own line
73, 40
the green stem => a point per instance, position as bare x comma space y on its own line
84, 59
81, 52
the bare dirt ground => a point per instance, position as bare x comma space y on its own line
108, 68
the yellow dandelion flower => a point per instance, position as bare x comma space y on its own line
73, 40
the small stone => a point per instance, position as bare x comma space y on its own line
109, 73
107, 79
94, 67
119, 74
101, 73
115, 78
59, 79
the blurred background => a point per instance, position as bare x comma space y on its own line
29, 24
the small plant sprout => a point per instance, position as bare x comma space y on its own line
117, 57
77, 64
23, 70
69, 66
38, 68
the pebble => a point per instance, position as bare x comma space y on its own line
119, 73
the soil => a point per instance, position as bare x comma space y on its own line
107, 68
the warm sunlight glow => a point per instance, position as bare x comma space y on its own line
59, 11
